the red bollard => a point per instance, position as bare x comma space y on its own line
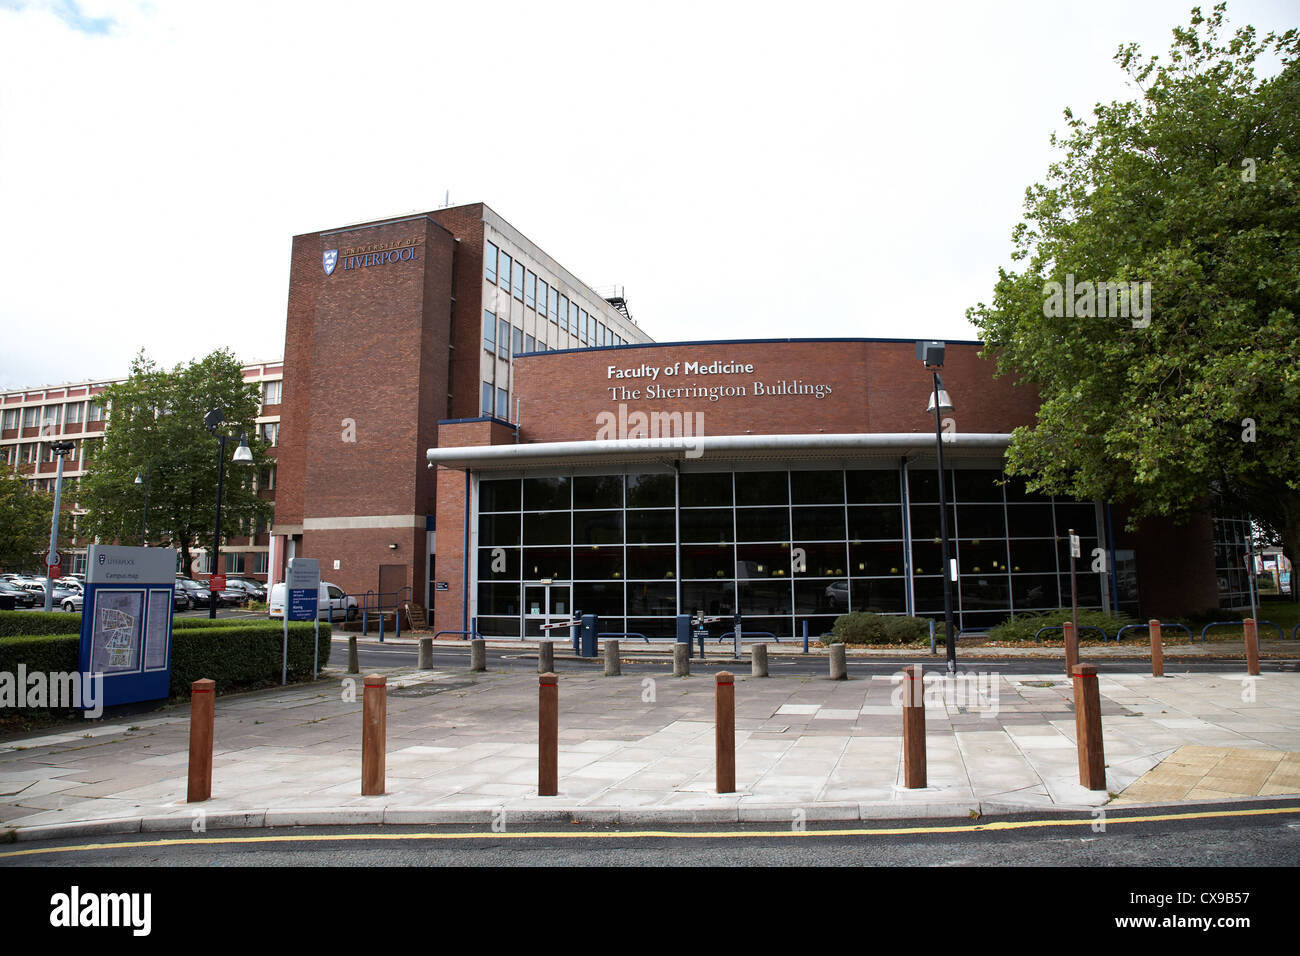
1157, 649
1087, 728
914, 776
1252, 646
374, 734
202, 707
724, 715
548, 735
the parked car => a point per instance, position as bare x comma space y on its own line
201, 595
73, 602
38, 588
254, 589
332, 603
181, 600
22, 597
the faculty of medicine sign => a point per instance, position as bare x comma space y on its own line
126, 621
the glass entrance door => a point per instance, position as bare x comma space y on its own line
546, 604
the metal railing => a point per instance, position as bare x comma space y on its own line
1061, 627
1147, 627
1281, 635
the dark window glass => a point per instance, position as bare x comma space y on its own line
982, 555
1032, 556
546, 494
498, 529
488, 395
706, 524
550, 563
1084, 561
518, 341
1081, 517
605, 600
706, 562
872, 487
582, 323
923, 484
818, 524
925, 522
517, 282
503, 404
1016, 491
598, 563
817, 487
564, 313
762, 488
600, 491
985, 592
650, 491
1029, 591
764, 597
979, 485
489, 330
762, 561
498, 626
1090, 591
651, 527
820, 560
499, 495
706, 491
503, 338
530, 290
530, 344
543, 293
498, 564
882, 596
876, 559
546, 527
710, 598
1029, 521
651, 563
927, 594
927, 557
819, 597
503, 271
490, 262
555, 305
981, 521
598, 527
762, 524
875, 521
649, 597
498, 599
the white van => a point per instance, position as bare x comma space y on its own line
333, 603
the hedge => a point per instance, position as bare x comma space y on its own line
38, 622
1023, 627
231, 652
865, 627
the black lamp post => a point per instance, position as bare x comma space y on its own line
932, 354
212, 419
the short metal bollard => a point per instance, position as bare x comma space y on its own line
914, 771
545, 657
839, 669
478, 655
724, 723
1251, 633
613, 666
1087, 728
1071, 647
353, 666
202, 708
758, 660
426, 654
374, 734
681, 660
548, 735
1157, 649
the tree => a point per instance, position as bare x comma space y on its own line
155, 428
1189, 383
24, 523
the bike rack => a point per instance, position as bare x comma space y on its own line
1163, 627
1281, 635
1061, 627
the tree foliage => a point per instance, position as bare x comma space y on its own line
1192, 187
155, 428
24, 524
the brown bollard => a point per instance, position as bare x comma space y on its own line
548, 735
1087, 728
724, 723
202, 707
914, 776
374, 734
1251, 632
1157, 649
1071, 647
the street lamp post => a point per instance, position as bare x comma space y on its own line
212, 419
932, 354
60, 448
144, 542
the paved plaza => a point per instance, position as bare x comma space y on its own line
462, 747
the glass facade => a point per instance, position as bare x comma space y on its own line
779, 546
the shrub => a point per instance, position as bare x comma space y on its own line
30, 623
866, 627
1024, 626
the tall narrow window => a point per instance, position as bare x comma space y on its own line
564, 313
490, 262
503, 271
503, 338
530, 290
486, 408
489, 330
517, 282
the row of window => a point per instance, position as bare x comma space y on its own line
71, 413
28, 453
533, 291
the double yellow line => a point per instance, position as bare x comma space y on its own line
656, 834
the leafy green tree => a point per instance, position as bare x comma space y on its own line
24, 524
1195, 386
155, 428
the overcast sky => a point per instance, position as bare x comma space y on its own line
741, 169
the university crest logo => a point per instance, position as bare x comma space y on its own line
328, 260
